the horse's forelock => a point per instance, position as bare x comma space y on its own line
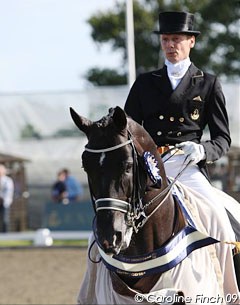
116, 120
104, 122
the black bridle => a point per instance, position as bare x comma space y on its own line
135, 210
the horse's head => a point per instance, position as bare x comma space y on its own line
117, 174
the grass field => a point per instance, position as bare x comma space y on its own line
23, 243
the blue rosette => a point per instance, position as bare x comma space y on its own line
151, 165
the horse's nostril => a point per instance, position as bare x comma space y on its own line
118, 235
112, 245
105, 244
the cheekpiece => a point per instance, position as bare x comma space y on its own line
152, 168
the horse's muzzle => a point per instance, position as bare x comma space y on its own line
111, 249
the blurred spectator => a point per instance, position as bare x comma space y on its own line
67, 188
74, 188
6, 198
237, 184
59, 189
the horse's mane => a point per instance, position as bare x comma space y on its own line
142, 136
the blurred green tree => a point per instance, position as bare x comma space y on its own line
68, 132
106, 77
217, 49
28, 131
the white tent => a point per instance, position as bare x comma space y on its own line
49, 112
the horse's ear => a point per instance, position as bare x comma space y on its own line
81, 122
120, 118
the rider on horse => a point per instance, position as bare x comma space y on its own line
175, 103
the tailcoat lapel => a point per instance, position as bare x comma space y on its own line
161, 80
192, 76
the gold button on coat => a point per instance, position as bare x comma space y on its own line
179, 134
159, 133
181, 120
171, 119
161, 117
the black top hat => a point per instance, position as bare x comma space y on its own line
176, 23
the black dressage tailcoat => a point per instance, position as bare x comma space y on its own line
173, 116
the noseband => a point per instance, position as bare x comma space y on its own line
135, 210
112, 204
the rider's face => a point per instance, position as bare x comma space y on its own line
176, 47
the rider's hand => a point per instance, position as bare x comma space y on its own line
195, 152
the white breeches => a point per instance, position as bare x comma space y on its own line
194, 179
191, 177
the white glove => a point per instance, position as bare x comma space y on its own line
195, 152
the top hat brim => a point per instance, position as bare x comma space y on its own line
195, 33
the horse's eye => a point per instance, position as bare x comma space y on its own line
128, 167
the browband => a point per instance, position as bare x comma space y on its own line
97, 151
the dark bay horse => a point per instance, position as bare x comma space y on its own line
137, 217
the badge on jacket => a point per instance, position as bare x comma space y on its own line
195, 114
